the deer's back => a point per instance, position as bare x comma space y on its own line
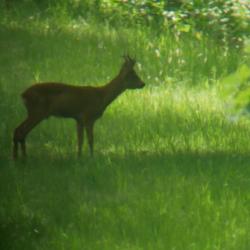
61, 99
46, 89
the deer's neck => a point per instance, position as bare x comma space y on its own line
112, 90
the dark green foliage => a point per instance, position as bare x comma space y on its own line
226, 21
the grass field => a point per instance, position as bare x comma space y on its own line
171, 167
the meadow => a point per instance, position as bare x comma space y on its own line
171, 164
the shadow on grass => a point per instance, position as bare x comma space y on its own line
21, 232
56, 187
186, 162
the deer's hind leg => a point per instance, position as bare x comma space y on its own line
22, 131
19, 138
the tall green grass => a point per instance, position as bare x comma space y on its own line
171, 167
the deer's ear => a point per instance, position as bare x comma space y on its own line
129, 61
132, 60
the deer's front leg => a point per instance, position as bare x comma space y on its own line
79, 126
90, 135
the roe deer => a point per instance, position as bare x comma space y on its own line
85, 104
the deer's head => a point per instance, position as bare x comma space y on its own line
131, 79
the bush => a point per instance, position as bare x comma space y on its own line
225, 20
